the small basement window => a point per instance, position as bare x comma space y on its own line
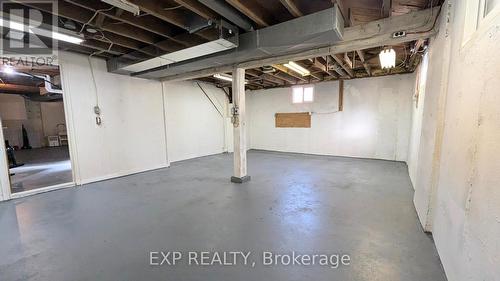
303, 94
479, 14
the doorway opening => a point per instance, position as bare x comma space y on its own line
34, 128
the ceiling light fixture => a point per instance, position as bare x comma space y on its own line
387, 58
41, 32
297, 68
69, 24
8, 69
124, 5
226, 77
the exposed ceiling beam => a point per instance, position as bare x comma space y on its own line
291, 6
311, 73
149, 24
321, 64
158, 9
69, 11
258, 74
339, 60
198, 8
378, 33
251, 12
367, 67
229, 13
289, 72
332, 65
386, 8
286, 78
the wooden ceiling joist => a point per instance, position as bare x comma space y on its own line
321, 64
291, 6
367, 67
289, 72
251, 10
339, 59
197, 8
386, 8
147, 23
171, 15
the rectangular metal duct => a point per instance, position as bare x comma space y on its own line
316, 30
228, 39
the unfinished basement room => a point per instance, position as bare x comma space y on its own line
249, 140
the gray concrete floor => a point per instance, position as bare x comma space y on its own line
43, 167
303, 203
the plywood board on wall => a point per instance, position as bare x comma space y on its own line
293, 120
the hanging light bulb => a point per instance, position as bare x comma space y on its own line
387, 58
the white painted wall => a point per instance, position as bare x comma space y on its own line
456, 193
416, 120
52, 115
195, 127
12, 107
132, 136
39, 119
375, 122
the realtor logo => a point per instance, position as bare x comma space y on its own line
27, 27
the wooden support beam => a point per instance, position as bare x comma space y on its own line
69, 11
332, 65
198, 8
291, 6
348, 61
286, 78
367, 67
386, 8
341, 95
289, 72
312, 74
342, 64
239, 127
158, 9
149, 24
251, 12
321, 64
265, 77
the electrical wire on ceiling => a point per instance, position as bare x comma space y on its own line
172, 8
93, 17
431, 16
406, 57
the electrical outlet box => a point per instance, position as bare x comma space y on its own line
399, 34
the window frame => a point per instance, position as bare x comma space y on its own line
303, 87
477, 22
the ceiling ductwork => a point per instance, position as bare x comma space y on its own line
316, 30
